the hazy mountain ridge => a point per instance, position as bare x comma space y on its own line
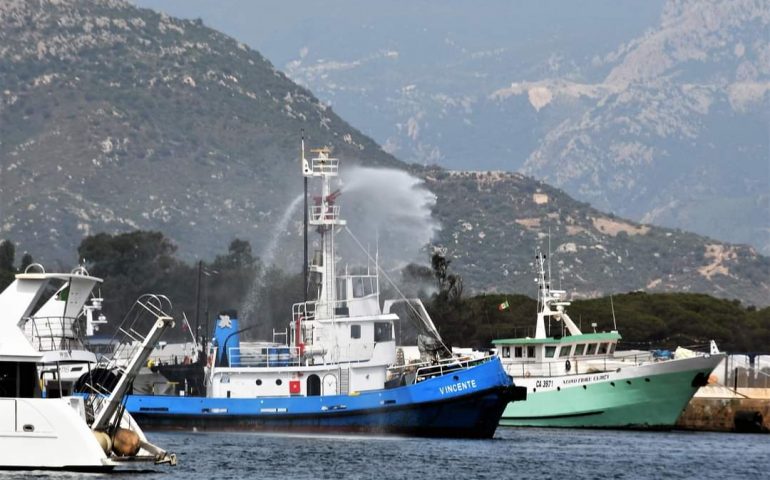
667, 141
116, 118
653, 110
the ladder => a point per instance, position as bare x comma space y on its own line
130, 355
344, 380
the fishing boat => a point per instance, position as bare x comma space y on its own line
61, 432
336, 370
577, 379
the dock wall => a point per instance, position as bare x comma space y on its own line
720, 409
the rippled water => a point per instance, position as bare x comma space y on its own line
513, 453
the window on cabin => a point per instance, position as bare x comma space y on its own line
383, 332
603, 348
550, 351
564, 352
18, 379
580, 348
531, 351
342, 290
363, 286
355, 331
506, 352
358, 287
591, 349
518, 352
612, 348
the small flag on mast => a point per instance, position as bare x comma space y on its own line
503, 306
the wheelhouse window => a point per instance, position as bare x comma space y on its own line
612, 348
564, 352
591, 349
550, 351
580, 348
603, 348
506, 352
363, 286
383, 332
531, 351
518, 352
18, 379
355, 331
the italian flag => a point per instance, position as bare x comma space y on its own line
503, 306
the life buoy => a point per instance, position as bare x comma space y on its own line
567, 366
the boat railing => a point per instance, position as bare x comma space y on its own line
426, 370
566, 366
263, 356
320, 213
326, 166
340, 308
304, 310
52, 333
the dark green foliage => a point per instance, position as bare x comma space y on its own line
645, 321
228, 279
7, 256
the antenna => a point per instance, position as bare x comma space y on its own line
549, 254
305, 172
612, 306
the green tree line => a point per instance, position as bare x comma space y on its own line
141, 262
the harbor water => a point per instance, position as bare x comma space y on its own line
513, 453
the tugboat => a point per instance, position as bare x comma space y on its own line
336, 372
40, 428
578, 379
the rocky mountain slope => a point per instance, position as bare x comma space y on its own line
656, 111
115, 118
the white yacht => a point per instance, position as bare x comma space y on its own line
66, 432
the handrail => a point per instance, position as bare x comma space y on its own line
53, 332
426, 370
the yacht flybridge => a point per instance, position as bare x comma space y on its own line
38, 431
336, 370
577, 379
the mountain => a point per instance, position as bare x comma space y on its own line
117, 118
656, 111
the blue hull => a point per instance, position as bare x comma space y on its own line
465, 403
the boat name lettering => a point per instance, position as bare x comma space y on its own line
457, 387
544, 383
589, 379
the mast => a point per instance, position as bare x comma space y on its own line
325, 215
305, 171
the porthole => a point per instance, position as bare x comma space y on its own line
585, 388
558, 389
628, 382
456, 378
278, 382
259, 382
612, 383
646, 379
534, 390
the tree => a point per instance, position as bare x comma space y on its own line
26, 261
7, 257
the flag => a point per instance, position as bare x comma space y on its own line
503, 306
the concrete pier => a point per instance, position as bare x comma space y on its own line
721, 409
